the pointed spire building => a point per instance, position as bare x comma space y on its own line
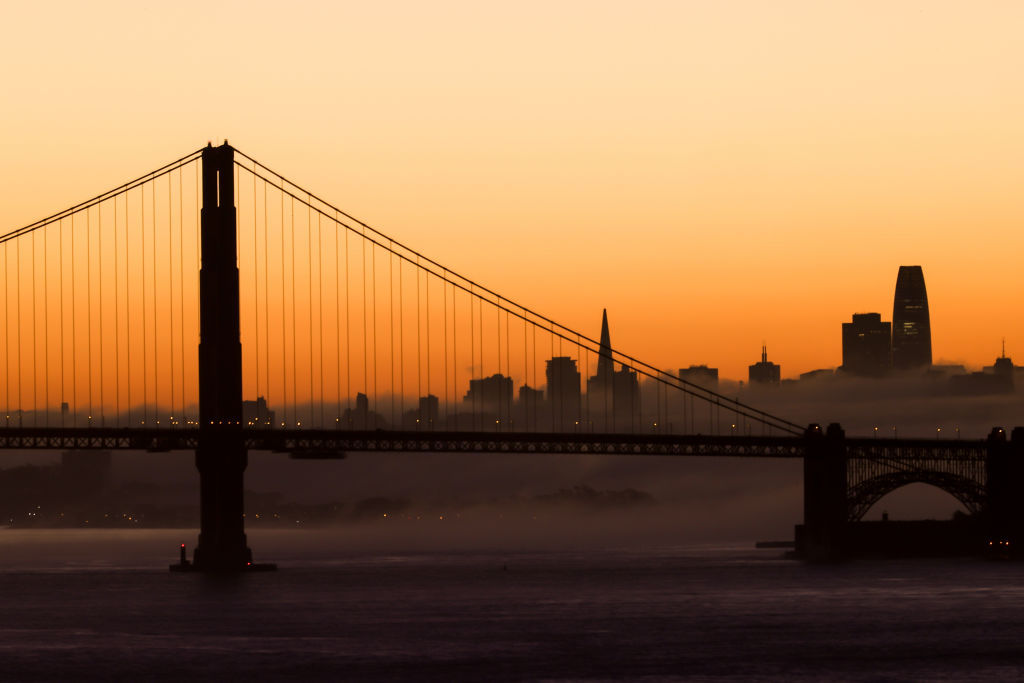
613, 396
605, 365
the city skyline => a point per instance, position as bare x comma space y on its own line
795, 185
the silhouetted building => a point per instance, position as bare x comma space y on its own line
984, 382
626, 396
866, 345
530, 410
701, 375
256, 413
997, 378
947, 370
361, 417
613, 396
911, 328
814, 375
563, 392
425, 416
764, 372
429, 408
490, 396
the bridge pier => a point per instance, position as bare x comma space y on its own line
1004, 493
221, 455
822, 537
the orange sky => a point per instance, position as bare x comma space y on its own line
716, 174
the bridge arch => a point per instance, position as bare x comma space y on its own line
862, 497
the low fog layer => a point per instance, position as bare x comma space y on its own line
916, 406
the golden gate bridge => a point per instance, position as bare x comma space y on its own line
345, 339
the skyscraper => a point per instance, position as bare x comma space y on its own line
605, 366
911, 329
613, 396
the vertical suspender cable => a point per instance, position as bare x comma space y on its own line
536, 385
284, 343
266, 296
142, 290
472, 351
391, 326
46, 329
100, 269
348, 331
526, 370
156, 334
7, 340
508, 368
373, 275
585, 357
181, 289
88, 312
419, 340
455, 359
74, 337
401, 335
256, 292
99, 294
35, 369
337, 313
170, 299
366, 349
309, 278
551, 406
401, 339
21, 384
320, 303
483, 374
426, 312
117, 331
444, 300
295, 339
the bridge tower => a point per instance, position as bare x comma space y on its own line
1004, 480
823, 534
221, 455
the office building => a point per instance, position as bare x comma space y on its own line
491, 396
764, 372
867, 345
563, 392
700, 375
911, 327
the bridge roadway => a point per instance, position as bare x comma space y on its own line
335, 443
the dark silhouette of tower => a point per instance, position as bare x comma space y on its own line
867, 345
221, 455
911, 329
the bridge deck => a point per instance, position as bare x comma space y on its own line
325, 443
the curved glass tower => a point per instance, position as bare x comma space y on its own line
911, 329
